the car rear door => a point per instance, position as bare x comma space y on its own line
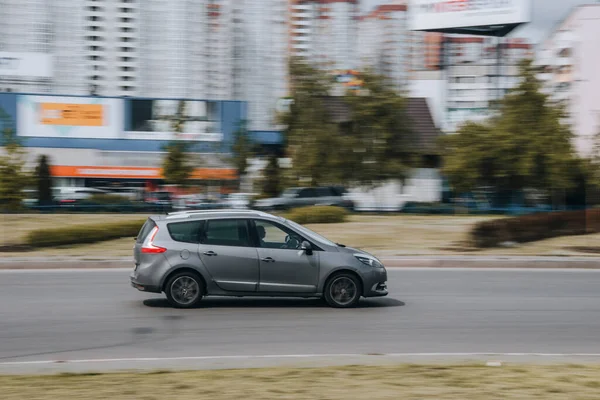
284, 268
229, 255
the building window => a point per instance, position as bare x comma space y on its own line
125, 10
125, 19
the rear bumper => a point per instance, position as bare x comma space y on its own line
143, 287
376, 283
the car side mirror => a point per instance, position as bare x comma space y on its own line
307, 247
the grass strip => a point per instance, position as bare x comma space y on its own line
438, 382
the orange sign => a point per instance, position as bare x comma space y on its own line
67, 171
71, 114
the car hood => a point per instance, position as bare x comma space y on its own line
352, 250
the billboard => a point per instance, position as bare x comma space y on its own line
25, 65
156, 119
69, 117
449, 15
113, 172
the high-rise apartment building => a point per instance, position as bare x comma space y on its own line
384, 43
186, 49
476, 74
569, 57
209, 49
324, 31
261, 57
111, 46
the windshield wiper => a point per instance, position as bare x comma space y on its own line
341, 245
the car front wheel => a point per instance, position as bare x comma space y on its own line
342, 291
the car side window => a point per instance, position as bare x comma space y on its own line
226, 232
324, 192
186, 232
308, 193
272, 236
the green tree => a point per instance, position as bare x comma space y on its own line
176, 168
44, 181
271, 177
525, 145
13, 174
380, 144
242, 148
312, 140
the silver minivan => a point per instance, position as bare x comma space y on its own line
189, 255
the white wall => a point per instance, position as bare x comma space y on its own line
585, 105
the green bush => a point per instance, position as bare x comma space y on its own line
80, 234
317, 215
530, 228
106, 199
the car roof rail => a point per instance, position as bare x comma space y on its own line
215, 211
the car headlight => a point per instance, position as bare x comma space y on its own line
368, 260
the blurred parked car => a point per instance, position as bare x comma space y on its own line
239, 200
162, 199
73, 195
306, 196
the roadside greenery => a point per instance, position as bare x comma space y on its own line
526, 145
530, 228
43, 181
369, 142
317, 215
79, 234
14, 177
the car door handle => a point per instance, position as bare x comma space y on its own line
268, 259
210, 253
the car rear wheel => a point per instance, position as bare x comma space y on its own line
184, 290
342, 291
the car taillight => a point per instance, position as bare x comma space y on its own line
151, 248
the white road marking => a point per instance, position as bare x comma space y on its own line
295, 356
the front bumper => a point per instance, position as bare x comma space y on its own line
375, 283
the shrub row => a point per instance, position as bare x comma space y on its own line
79, 234
530, 228
317, 215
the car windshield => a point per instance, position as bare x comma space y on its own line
313, 235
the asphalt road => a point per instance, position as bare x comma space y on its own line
88, 315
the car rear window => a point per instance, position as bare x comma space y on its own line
187, 232
145, 231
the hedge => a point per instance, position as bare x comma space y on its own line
317, 215
79, 234
530, 228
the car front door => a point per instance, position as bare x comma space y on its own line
228, 254
284, 268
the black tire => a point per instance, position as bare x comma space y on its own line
347, 280
190, 280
